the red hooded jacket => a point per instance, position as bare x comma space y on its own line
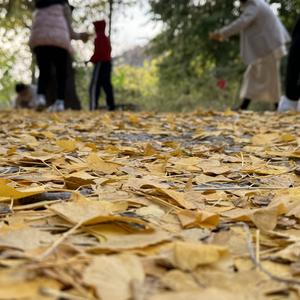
102, 50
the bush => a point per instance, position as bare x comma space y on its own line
141, 86
135, 84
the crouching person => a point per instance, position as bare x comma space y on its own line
26, 96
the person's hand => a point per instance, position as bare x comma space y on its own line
84, 36
216, 36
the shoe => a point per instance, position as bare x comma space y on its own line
243, 106
40, 102
58, 106
286, 104
236, 108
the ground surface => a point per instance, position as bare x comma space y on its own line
149, 206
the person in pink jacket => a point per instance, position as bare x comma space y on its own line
50, 41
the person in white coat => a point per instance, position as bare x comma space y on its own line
263, 41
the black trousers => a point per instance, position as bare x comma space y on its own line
52, 59
102, 79
292, 85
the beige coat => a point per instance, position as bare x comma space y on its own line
52, 27
262, 79
261, 31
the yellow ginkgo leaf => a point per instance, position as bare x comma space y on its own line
67, 145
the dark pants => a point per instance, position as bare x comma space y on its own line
292, 85
72, 100
102, 79
51, 59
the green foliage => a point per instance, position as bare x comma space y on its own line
7, 84
185, 41
141, 86
133, 84
189, 57
289, 11
15, 13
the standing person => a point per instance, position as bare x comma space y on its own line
72, 100
290, 101
50, 40
102, 69
263, 39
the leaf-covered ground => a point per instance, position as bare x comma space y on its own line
149, 206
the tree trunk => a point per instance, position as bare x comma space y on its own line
111, 9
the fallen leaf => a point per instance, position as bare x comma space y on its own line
27, 290
67, 145
7, 192
24, 238
113, 277
96, 163
189, 256
179, 281
264, 218
211, 294
192, 219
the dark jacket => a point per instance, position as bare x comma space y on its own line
102, 52
296, 31
45, 3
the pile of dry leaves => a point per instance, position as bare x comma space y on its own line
149, 206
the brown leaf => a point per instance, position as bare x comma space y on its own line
113, 277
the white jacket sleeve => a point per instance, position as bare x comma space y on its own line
247, 17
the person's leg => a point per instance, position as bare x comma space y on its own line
44, 64
245, 104
292, 88
276, 83
99, 85
61, 62
246, 89
292, 84
59, 57
94, 90
107, 85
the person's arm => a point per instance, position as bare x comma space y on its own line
68, 14
74, 35
247, 17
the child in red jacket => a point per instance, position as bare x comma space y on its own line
102, 70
